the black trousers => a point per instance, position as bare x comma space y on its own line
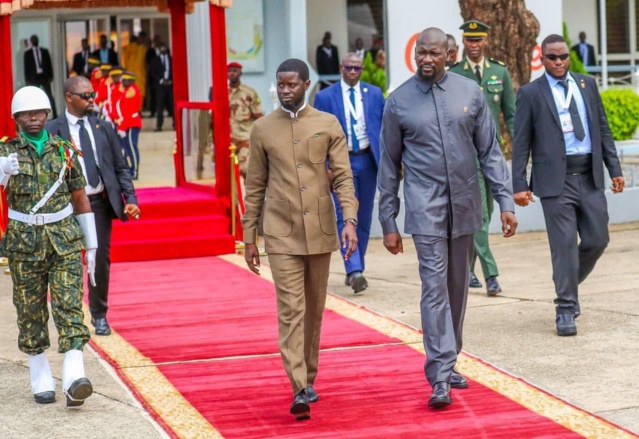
580, 212
163, 99
46, 87
98, 295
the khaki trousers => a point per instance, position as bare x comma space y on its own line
300, 284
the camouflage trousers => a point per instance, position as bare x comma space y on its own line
62, 276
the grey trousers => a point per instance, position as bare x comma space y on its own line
581, 210
443, 269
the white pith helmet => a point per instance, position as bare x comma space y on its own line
29, 98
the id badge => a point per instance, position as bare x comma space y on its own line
360, 130
566, 123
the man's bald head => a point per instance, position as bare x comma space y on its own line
72, 84
434, 36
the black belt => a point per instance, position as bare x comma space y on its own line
361, 151
99, 196
578, 164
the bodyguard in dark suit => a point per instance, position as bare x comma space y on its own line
560, 121
109, 182
327, 58
38, 69
81, 60
437, 124
585, 52
359, 107
106, 54
162, 80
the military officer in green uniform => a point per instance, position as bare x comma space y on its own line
494, 79
49, 215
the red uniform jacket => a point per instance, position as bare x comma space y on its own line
128, 108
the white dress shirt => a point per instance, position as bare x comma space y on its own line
74, 129
37, 54
359, 110
480, 64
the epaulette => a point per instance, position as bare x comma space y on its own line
497, 61
4, 139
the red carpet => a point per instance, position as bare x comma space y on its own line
175, 223
196, 341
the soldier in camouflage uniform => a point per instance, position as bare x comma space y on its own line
494, 79
44, 242
246, 108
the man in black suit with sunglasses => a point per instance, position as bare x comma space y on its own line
109, 184
560, 121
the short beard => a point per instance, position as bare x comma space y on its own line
294, 106
561, 78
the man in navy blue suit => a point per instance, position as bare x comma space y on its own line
359, 107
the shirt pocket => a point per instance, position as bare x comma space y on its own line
495, 88
20, 237
24, 183
317, 149
277, 218
328, 224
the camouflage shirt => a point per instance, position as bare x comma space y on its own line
23, 241
246, 108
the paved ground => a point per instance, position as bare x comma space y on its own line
596, 370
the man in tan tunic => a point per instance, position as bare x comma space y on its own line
246, 108
287, 176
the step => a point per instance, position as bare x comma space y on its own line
167, 202
172, 248
169, 227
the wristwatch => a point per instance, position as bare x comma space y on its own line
353, 221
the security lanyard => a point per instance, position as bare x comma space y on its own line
564, 102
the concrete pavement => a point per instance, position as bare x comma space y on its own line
596, 370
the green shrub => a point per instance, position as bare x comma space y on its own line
622, 108
373, 74
575, 63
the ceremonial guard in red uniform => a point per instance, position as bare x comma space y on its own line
129, 121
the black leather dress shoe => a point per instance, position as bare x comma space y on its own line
311, 394
44, 397
300, 408
441, 396
473, 281
101, 326
457, 381
80, 390
357, 282
492, 286
566, 325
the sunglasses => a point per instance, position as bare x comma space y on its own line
553, 57
353, 68
85, 96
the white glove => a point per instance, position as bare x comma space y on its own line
90, 258
122, 134
10, 165
87, 224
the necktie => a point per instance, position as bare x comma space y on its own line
93, 175
574, 114
354, 140
478, 72
38, 59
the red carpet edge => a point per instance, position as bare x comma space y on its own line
181, 420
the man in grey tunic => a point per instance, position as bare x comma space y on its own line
436, 124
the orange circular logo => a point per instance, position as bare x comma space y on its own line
409, 51
535, 62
